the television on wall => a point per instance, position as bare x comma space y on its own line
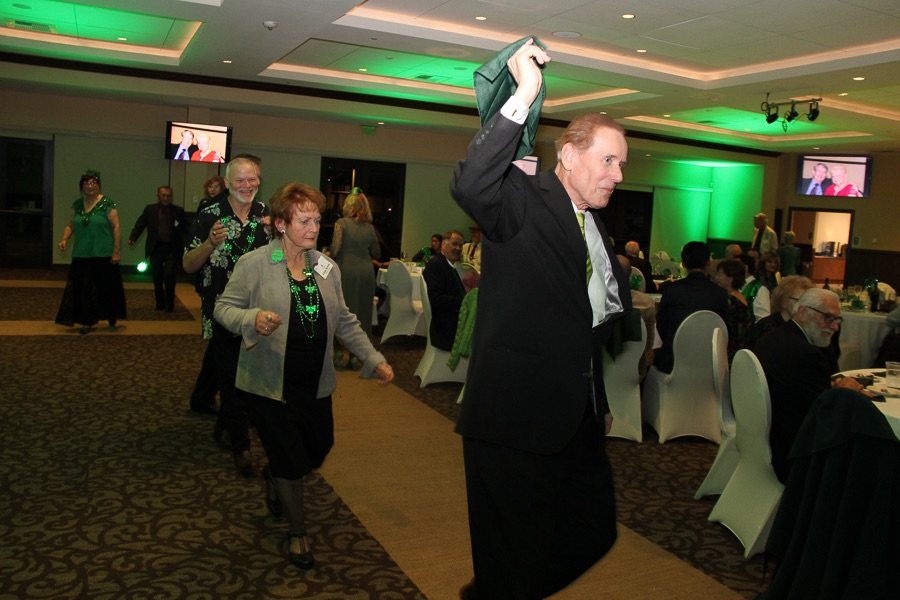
827, 175
196, 142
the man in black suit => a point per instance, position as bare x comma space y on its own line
632, 252
165, 224
684, 297
818, 183
445, 291
534, 416
185, 149
798, 362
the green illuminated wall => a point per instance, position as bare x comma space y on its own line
737, 194
679, 216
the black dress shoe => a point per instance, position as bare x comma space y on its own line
303, 559
273, 502
246, 464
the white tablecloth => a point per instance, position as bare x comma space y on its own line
891, 407
867, 330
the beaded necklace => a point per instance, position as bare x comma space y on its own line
86, 214
231, 242
309, 313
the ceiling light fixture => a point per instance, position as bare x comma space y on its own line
791, 114
481, 18
813, 113
628, 16
771, 110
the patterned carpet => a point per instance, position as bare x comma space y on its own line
110, 490
41, 304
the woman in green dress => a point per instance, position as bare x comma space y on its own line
94, 289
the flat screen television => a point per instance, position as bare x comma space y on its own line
196, 142
827, 175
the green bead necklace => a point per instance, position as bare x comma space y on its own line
309, 313
231, 242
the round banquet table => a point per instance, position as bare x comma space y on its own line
867, 330
890, 408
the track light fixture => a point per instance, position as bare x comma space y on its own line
789, 116
813, 113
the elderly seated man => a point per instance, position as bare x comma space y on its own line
632, 252
798, 362
445, 291
684, 297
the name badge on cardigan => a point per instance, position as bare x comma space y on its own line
323, 267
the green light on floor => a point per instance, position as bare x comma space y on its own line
143, 266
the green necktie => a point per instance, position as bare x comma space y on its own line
589, 268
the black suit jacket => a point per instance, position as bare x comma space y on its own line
643, 265
681, 299
804, 185
150, 221
445, 293
797, 373
173, 151
529, 375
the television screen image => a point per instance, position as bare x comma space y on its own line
834, 176
195, 142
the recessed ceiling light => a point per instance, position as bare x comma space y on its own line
362, 70
648, 154
481, 18
842, 94
566, 34
746, 129
642, 51
380, 123
859, 79
602, 112
815, 147
628, 16
667, 116
122, 39
227, 62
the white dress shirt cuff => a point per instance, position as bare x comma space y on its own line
515, 110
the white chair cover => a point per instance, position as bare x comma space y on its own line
685, 402
462, 268
406, 314
433, 366
750, 500
727, 458
623, 388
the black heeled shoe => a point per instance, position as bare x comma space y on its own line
303, 559
273, 502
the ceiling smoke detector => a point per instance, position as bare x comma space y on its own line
270, 25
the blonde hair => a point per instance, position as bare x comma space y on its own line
356, 206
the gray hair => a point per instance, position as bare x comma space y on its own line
788, 237
815, 298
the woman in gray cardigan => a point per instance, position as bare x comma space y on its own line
285, 300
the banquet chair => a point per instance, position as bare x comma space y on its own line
636, 275
433, 366
406, 314
462, 268
750, 500
623, 388
844, 544
684, 402
727, 458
